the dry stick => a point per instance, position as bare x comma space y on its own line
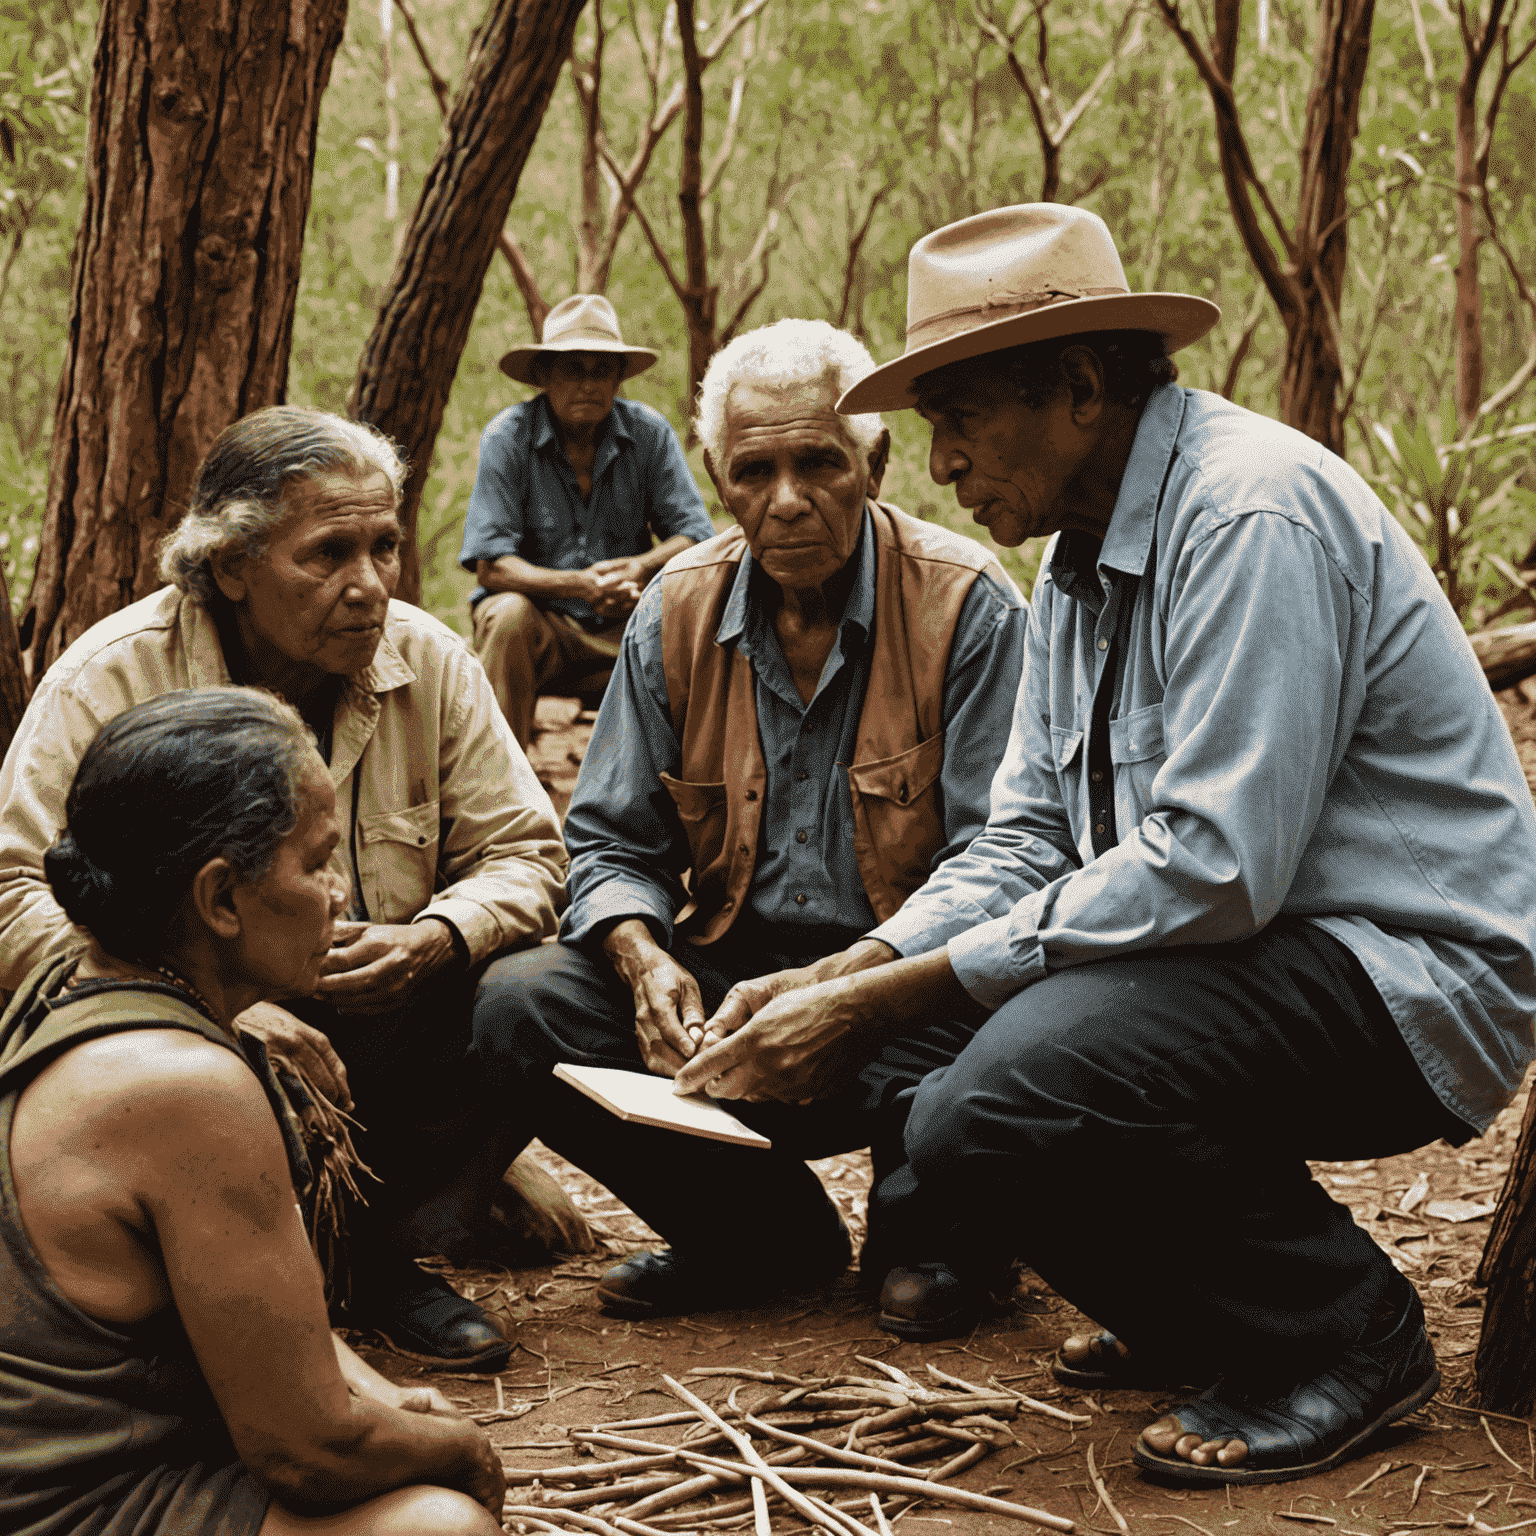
967, 1458
913, 1487
1380, 1472
1499, 1448
1418, 1484
634, 1528
590, 1472
1103, 1493
1182, 1521
760, 1518
565, 1520
839, 1525
853, 1458
749, 1452
629, 1488
879, 1514
656, 1421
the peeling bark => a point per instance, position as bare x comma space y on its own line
186, 267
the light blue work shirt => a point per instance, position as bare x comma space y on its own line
526, 500
628, 848
1299, 725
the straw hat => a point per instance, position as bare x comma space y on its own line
585, 322
1027, 273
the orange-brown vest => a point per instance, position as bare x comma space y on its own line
922, 577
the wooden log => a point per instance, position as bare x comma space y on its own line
1506, 655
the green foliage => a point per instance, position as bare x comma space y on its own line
44, 84
906, 108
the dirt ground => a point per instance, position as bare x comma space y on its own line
1442, 1468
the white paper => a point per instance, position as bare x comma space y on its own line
649, 1100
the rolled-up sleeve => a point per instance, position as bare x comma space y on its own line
501, 853
628, 848
673, 502
493, 523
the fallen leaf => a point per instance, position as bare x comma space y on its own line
1457, 1210
1413, 1196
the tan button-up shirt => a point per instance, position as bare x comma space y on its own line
441, 813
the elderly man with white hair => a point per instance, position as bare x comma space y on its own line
281, 576
804, 722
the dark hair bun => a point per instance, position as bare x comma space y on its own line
86, 891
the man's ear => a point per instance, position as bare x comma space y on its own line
879, 461
211, 899
228, 570
1083, 371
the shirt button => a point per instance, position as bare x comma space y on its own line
1099, 829
799, 901
1103, 645
799, 837
1096, 775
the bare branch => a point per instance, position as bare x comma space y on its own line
527, 284
657, 248
440, 87
752, 295
728, 138
1240, 351
856, 241
728, 29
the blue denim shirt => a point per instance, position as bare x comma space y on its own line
1299, 725
526, 501
628, 848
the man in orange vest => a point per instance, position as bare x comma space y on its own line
804, 722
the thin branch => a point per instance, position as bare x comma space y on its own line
440, 87
650, 234
1240, 351
728, 138
728, 29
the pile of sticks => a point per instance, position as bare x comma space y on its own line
871, 1434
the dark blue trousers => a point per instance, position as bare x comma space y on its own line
1138, 1130
556, 1003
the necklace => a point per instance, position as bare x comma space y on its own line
179, 981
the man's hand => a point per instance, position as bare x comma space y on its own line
669, 1013
426, 1400
802, 1042
617, 585
305, 1047
374, 967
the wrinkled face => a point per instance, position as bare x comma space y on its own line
581, 385
1012, 465
794, 480
286, 919
320, 593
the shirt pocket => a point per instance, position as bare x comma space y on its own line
397, 861
1136, 750
898, 812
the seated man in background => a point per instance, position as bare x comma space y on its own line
281, 572
1258, 886
804, 722
570, 487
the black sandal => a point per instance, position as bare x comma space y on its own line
1110, 1371
1316, 1425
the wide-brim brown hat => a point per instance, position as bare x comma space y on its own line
1027, 273
585, 322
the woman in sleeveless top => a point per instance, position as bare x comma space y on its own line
166, 1364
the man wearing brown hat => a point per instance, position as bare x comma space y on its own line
1257, 885
570, 488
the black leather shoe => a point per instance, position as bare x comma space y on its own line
1315, 1425
432, 1322
928, 1301
669, 1284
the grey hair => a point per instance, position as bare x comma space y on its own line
781, 357
237, 495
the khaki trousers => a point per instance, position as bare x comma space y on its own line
527, 651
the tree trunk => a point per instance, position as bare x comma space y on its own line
13, 678
1506, 1359
202, 147
407, 368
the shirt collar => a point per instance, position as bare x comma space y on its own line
1129, 537
858, 615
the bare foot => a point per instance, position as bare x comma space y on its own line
1167, 1435
1090, 1348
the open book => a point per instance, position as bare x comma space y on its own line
649, 1100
